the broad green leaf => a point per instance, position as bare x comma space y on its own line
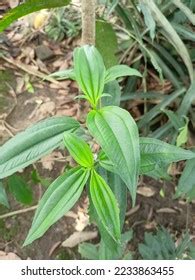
106, 42
64, 74
90, 72
20, 189
88, 251
3, 196
114, 91
118, 71
155, 152
116, 132
105, 204
58, 199
186, 185
79, 150
35, 142
28, 7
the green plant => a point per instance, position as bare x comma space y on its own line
162, 247
122, 153
64, 22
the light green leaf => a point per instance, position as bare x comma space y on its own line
58, 199
105, 204
3, 196
118, 71
106, 42
64, 74
28, 7
116, 132
35, 142
155, 152
79, 150
90, 72
182, 138
20, 189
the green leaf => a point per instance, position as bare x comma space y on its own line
58, 199
119, 189
64, 74
149, 21
116, 132
105, 204
90, 72
35, 142
3, 196
155, 152
28, 7
182, 138
105, 235
106, 42
120, 71
20, 189
88, 251
186, 185
114, 91
79, 150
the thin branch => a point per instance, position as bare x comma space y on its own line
88, 22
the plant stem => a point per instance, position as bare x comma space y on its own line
88, 22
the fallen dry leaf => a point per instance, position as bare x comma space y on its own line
79, 237
8, 256
166, 210
146, 191
82, 221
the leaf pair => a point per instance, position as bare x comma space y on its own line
91, 75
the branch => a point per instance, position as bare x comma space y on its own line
88, 22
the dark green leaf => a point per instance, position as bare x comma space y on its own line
35, 142
3, 196
105, 204
106, 42
20, 189
88, 251
28, 7
186, 186
58, 199
114, 91
155, 152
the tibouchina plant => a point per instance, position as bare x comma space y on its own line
122, 156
